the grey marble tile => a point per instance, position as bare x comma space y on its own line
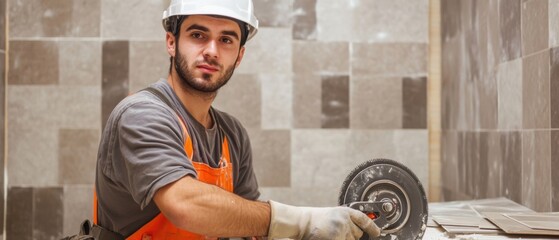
19, 215
535, 30
320, 57
449, 162
78, 206
149, 61
376, 103
77, 153
414, 91
51, 18
511, 155
80, 63
494, 34
335, 102
554, 172
274, 13
277, 99
373, 21
272, 163
270, 52
42, 56
554, 86
240, 98
494, 165
535, 78
389, 59
307, 101
134, 20
338, 28
480, 172
553, 18
304, 21
509, 75
47, 213
115, 82
510, 25
536, 170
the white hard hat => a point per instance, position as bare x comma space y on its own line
241, 10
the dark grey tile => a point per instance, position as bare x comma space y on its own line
335, 102
304, 25
450, 19
511, 153
510, 25
48, 213
41, 57
535, 30
115, 73
274, 13
19, 215
449, 163
271, 163
554, 171
77, 151
536, 170
307, 94
52, 18
535, 82
554, 86
414, 102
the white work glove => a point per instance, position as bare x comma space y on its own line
319, 223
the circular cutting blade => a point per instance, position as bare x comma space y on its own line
388, 180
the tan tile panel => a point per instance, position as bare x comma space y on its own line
80, 63
373, 21
320, 57
304, 22
268, 52
307, 101
510, 25
389, 59
553, 18
414, 102
277, 99
241, 98
149, 61
34, 62
535, 29
535, 91
334, 20
509, 77
376, 103
554, 86
335, 102
274, 13
132, 19
52, 18
536, 170
272, 164
77, 154
554, 174
78, 204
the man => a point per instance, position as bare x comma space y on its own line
172, 167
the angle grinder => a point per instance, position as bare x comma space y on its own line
390, 194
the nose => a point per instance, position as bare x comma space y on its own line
211, 51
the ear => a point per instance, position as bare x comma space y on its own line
240, 57
171, 41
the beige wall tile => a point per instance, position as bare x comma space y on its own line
510, 29
277, 99
80, 63
535, 28
52, 18
274, 13
133, 19
78, 206
376, 103
307, 101
536, 170
334, 20
77, 154
320, 57
268, 52
304, 19
41, 56
149, 61
535, 78
509, 77
271, 163
241, 98
389, 59
373, 21
553, 18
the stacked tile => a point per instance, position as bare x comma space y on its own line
500, 72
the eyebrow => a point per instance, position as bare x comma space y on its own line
205, 29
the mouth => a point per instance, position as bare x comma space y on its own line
205, 68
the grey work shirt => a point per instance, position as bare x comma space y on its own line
142, 150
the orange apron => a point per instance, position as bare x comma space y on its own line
160, 228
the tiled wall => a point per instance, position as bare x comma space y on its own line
2, 106
324, 86
500, 87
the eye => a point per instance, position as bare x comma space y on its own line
197, 35
226, 40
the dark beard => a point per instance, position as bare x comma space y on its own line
187, 78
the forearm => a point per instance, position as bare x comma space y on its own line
212, 211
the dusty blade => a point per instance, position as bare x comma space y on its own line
382, 180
